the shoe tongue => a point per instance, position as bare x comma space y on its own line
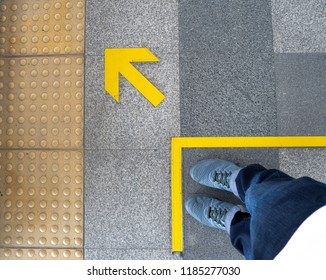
212, 175
206, 211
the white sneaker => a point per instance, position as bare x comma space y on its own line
216, 173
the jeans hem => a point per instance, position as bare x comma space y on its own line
230, 215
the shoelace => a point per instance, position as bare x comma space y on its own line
217, 215
222, 178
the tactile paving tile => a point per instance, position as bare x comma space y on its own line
41, 102
29, 27
41, 199
39, 254
41, 129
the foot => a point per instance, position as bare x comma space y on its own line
216, 173
210, 211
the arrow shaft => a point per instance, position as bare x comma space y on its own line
139, 81
111, 81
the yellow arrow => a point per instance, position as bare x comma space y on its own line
118, 61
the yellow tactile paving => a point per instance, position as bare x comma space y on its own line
29, 27
41, 198
41, 129
41, 102
39, 254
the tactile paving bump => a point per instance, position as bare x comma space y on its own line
41, 202
29, 27
41, 102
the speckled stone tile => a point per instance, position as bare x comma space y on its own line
130, 254
226, 68
127, 199
128, 24
299, 162
299, 26
301, 98
134, 123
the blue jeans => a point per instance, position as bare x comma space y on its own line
277, 205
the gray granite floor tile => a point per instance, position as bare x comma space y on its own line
299, 162
301, 93
226, 68
213, 253
133, 123
125, 24
299, 26
201, 242
129, 254
127, 199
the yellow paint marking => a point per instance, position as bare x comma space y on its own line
176, 193
118, 61
179, 143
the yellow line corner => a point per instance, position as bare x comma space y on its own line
179, 143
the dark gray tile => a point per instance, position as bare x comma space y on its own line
129, 254
301, 93
213, 253
299, 26
226, 68
133, 123
127, 199
201, 242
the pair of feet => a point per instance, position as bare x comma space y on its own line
219, 174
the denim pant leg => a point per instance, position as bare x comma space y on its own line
277, 205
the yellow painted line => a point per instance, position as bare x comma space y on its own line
176, 194
252, 142
119, 61
179, 143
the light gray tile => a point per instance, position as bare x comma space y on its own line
299, 162
301, 93
299, 26
129, 254
226, 68
133, 123
202, 242
139, 23
127, 199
